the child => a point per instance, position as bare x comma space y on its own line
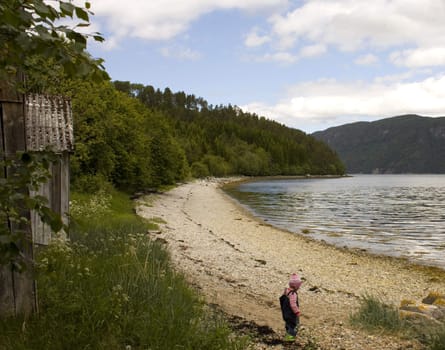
290, 307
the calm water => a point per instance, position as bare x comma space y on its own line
397, 215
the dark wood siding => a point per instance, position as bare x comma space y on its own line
34, 123
17, 294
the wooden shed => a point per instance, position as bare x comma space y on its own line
34, 122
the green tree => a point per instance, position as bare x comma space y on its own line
34, 45
217, 165
122, 141
109, 134
168, 160
249, 144
31, 41
199, 170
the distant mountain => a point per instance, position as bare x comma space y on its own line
403, 144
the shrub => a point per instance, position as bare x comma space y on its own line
437, 339
373, 314
200, 170
217, 165
90, 184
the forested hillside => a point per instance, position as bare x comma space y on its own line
223, 140
403, 144
137, 138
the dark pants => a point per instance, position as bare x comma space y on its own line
292, 325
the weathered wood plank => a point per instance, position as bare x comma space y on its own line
17, 293
8, 93
13, 129
23, 283
33, 124
24, 292
7, 305
55, 187
65, 187
41, 232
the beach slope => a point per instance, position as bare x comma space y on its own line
242, 265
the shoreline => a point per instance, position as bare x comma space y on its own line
227, 187
242, 264
360, 251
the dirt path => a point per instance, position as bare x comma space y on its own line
242, 265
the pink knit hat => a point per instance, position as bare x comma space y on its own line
295, 281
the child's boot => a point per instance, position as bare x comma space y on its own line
289, 337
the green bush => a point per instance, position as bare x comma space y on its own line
200, 170
112, 287
90, 184
373, 314
217, 165
437, 339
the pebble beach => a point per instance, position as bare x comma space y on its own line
242, 265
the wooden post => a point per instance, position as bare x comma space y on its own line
17, 290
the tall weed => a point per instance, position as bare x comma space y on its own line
111, 287
437, 339
374, 315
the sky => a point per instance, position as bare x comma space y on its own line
309, 65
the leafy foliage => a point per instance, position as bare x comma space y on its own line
222, 140
404, 144
32, 43
121, 141
158, 139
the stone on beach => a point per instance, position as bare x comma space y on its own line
242, 265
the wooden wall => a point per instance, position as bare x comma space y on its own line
17, 290
33, 124
56, 190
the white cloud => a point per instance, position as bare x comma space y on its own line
253, 39
400, 77
312, 50
421, 57
356, 24
288, 57
164, 19
315, 24
281, 57
366, 60
180, 53
288, 32
325, 101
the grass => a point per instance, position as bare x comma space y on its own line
376, 316
437, 339
111, 287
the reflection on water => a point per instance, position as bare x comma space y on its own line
401, 215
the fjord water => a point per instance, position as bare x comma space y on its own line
396, 215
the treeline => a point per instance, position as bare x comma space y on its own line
138, 137
118, 140
222, 140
